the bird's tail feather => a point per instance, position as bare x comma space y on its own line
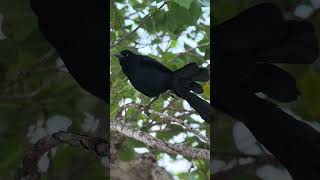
275, 83
202, 107
195, 87
184, 82
202, 75
189, 74
187, 71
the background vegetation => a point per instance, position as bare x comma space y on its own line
38, 97
176, 34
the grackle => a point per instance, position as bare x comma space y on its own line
151, 78
77, 29
244, 47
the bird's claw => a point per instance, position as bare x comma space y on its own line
146, 110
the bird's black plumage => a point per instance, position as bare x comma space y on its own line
151, 78
146, 74
77, 29
243, 47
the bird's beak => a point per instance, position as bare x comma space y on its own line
118, 55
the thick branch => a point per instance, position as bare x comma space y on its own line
149, 140
158, 144
166, 116
29, 168
230, 173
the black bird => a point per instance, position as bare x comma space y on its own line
78, 30
151, 78
260, 35
243, 47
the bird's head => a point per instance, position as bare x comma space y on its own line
124, 54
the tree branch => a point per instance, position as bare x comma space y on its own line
231, 173
24, 75
118, 17
190, 50
159, 144
29, 168
166, 116
119, 125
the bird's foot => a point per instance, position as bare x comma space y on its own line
168, 93
146, 109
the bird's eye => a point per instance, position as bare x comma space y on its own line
126, 54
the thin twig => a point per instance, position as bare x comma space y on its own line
118, 17
117, 42
29, 168
163, 115
190, 50
24, 75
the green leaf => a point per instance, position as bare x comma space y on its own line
173, 44
136, 144
224, 11
19, 19
180, 17
309, 86
184, 3
126, 154
195, 11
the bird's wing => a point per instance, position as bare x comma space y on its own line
148, 61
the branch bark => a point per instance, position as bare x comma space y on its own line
166, 116
159, 144
29, 166
119, 125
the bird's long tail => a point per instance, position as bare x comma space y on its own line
202, 107
189, 74
185, 81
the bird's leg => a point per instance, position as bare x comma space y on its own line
147, 107
168, 92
